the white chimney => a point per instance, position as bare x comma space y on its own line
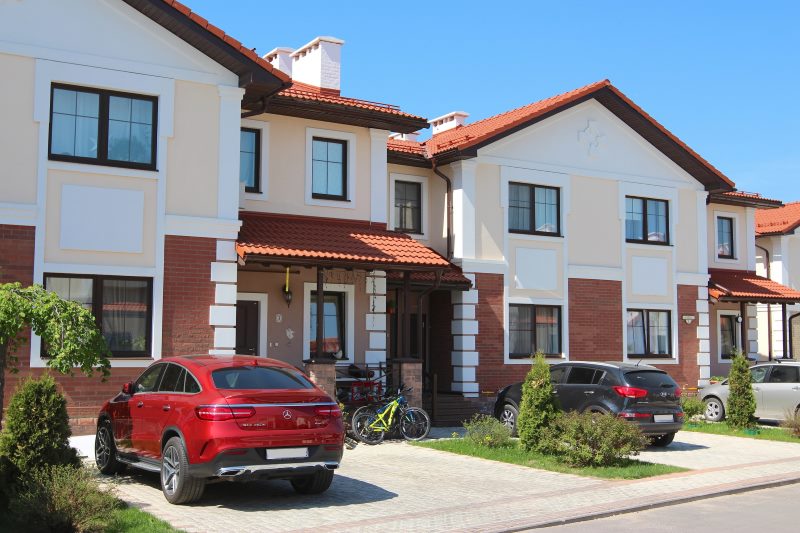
448, 121
281, 59
405, 136
319, 63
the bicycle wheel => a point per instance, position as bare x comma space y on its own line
415, 424
349, 425
360, 424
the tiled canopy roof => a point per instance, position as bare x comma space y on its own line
303, 91
746, 286
406, 147
311, 240
778, 221
452, 276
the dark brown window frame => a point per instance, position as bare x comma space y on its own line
341, 304
532, 194
397, 227
256, 188
344, 196
732, 222
102, 129
97, 299
646, 320
513, 355
644, 199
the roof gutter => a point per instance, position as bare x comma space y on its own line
449, 201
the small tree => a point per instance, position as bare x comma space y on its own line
741, 401
538, 408
67, 329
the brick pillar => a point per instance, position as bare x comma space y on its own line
222, 315
323, 374
411, 376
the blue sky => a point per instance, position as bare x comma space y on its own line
723, 76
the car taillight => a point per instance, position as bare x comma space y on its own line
630, 392
678, 392
329, 411
634, 415
218, 413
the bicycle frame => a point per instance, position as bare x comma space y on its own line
385, 417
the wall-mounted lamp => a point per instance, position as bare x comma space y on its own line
287, 293
688, 318
738, 319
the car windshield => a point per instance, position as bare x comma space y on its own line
259, 377
650, 379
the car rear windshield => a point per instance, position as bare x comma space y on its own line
649, 379
259, 377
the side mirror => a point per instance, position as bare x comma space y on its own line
128, 388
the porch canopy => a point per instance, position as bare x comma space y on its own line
324, 243
746, 287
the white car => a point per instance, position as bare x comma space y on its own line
776, 386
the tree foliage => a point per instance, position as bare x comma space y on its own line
538, 409
741, 400
67, 329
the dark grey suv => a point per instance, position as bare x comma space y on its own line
642, 394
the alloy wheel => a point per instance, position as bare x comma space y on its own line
170, 470
102, 448
712, 410
507, 418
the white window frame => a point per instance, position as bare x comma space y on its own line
737, 334
350, 138
522, 300
263, 320
735, 237
423, 181
263, 167
674, 358
349, 305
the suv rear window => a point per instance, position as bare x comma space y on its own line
649, 379
259, 377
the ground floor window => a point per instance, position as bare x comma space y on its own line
333, 321
649, 333
534, 328
122, 306
727, 336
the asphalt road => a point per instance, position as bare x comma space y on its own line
773, 510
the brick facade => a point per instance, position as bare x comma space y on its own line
595, 320
687, 372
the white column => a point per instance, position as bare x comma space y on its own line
222, 315
464, 328
376, 317
464, 209
379, 175
703, 336
752, 330
230, 123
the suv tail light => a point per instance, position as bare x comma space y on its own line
331, 411
634, 415
678, 392
630, 392
218, 413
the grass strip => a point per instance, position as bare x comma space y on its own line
762, 433
133, 520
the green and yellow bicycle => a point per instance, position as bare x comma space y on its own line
371, 423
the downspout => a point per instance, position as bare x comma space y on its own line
449, 203
261, 109
767, 263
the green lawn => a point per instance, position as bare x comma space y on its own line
721, 428
133, 520
631, 469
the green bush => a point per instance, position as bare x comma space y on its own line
538, 409
62, 498
591, 439
36, 427
692, 407
741, 401
9, 474
487, 431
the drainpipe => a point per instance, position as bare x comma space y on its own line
261, 109
769, 307
449, 222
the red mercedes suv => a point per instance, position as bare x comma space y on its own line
206, 418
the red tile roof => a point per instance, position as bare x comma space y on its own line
452, 276
303, 91
778, 221
744, 285
310, 239
406, 147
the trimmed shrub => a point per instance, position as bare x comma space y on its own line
741, 401
538, 409
591, 439
9, 474
792, 421
36, 430
62, 498
487, 431
692, 406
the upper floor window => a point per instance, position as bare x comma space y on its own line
408, 206
533, 209
123, 308
648, 333
534, 328
103, 127
646, 220
329, 169
250, 159
725, 238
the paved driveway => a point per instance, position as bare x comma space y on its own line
398, 487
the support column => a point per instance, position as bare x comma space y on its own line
411, 376
743, 327
323, 374
464, 329
784, 328
376, 317
703, 336
320, 312
222, 315
752, 331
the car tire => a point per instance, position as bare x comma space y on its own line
105, 451
715, 409
176, 483
509, 416
662, 440
315, 483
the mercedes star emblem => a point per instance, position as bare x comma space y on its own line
287, 414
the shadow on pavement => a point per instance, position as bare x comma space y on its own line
676, 447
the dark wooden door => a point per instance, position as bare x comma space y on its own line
247, 327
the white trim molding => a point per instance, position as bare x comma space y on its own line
18, 214
214, 228
263, 168
737, 227
263, 319
350, 201
424, 206
349, 316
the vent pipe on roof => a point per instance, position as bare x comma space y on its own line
281, 59
448, 121
405, 136
319, 63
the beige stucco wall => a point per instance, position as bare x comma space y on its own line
193, 151
287, 170
593, 224
18, 131
279, 345
686, 236
643, 250
740, 236
489, 214
436, 210
516, 244
794, 261
55, 254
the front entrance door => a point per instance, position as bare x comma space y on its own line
247, 327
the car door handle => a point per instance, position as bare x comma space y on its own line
756, 388
588, 392
165, 408
795, 388
140, 404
